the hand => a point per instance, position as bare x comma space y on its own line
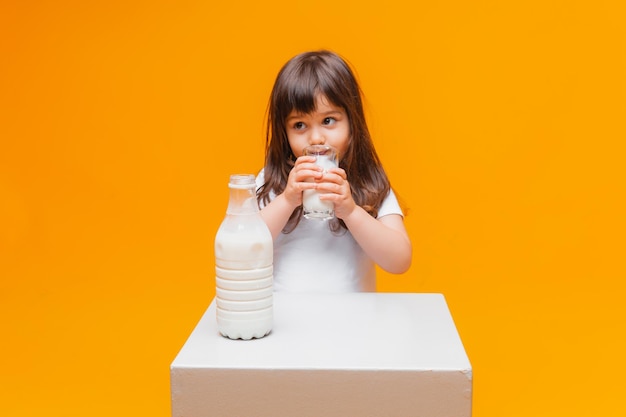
301, 177
334, 186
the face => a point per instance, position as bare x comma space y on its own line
326, 125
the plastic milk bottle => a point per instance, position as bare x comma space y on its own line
244, 265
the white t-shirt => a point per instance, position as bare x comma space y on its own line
312, 258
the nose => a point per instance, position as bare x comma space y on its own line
317, 137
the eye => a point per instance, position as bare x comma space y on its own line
329, 121
299, 125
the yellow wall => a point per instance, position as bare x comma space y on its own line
501, 124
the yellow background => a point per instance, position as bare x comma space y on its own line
501, 125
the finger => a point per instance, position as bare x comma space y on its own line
332, 188
339, 172
305, 159
333, 177
308, 173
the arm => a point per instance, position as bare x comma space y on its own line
277, 212
384, 240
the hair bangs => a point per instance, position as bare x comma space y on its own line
298, 91
333, 91
306, 82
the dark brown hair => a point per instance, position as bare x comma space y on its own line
297, 85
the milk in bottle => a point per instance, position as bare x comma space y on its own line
244, 265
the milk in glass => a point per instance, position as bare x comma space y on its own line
313, 206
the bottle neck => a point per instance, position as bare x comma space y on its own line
242, 201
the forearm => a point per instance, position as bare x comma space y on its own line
276, 214
384, 240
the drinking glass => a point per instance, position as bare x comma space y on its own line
314, 208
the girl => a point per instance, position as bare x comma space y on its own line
317, 100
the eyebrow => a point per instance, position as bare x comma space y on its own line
295, 116
325, 114
331, 112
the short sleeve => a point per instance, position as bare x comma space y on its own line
390, 205
260, 179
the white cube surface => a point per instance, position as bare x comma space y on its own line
357, 354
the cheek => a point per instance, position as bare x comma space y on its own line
295, 147
344, 143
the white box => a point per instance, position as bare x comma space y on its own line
348, 355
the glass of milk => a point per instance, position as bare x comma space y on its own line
314, 208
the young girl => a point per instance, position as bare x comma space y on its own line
317, 100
